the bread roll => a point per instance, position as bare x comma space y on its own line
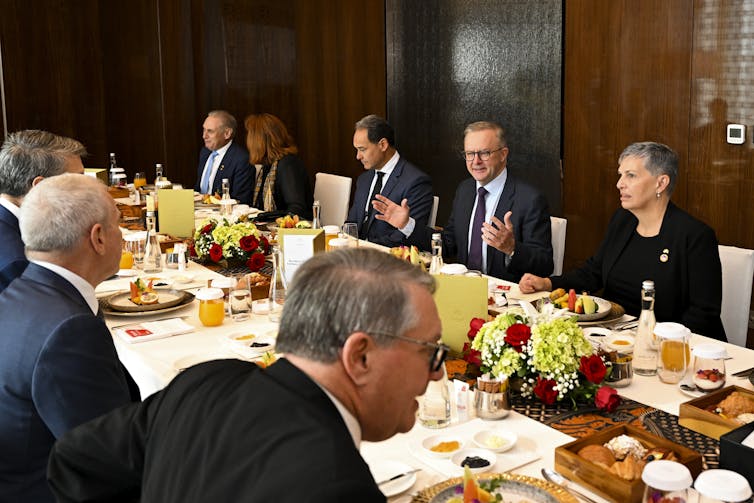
598, 454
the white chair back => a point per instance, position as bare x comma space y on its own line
433, 214
558, 228
738, 273
333, 193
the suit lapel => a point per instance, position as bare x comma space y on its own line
504, 204
466, 202
392, 182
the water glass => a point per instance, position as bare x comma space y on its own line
136, 243
240, 299
434, 407
351, 232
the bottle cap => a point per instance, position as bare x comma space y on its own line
710, 351
436, 235
667, 475
648, 284
671, 330
724, 485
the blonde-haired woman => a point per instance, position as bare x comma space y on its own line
282, 183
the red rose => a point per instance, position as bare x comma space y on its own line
215, 252
265, 245
517, 336
593, 368
208, 228
192, 250
607, 399
248, 243
544, 390
255, 262
471, 355
474, 326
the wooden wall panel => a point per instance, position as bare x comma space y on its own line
627, 78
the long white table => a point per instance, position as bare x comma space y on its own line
153, 365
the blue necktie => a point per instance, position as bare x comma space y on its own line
208, 172
475, 248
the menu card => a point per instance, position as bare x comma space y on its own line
298, 246
459, 299
151, 330
176, 212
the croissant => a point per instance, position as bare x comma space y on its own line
628, 469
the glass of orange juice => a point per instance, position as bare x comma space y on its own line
126, 259
675, 355
211, 306
140, 180
331, 232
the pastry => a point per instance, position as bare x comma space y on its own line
628, 469
598, 454
623, 445
735, 404
656, 453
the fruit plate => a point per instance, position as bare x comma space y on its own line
121, 302
513, 488
603, 309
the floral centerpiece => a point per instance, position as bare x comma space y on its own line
547, 351
218, 240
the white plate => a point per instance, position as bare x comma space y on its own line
508, 437
384, 469
126, 273
432, 441
157, 280
489, 456
183, 278
240, 343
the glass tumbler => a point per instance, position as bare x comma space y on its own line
675, 355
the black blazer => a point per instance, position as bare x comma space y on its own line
688, 285
293, 189
236, 168
221, 431
12, 254
531, 226
405, 182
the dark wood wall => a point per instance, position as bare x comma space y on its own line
676, 72
137, 78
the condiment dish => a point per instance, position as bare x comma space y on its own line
445, 445
482, 454
495, 440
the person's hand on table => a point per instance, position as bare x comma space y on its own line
388, 211
499, 235
530, 283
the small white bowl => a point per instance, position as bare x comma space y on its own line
434, 440
490, 457
622, 343
597, 332
495, 440
183, 278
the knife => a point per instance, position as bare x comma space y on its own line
743, 373
399, 476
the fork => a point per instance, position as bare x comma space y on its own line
743, 373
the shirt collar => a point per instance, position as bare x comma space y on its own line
390, 165
221, 151
15, 210
496, 185
80, 284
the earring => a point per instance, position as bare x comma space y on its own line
658, 195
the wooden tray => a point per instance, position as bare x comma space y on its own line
695, 416
603, 481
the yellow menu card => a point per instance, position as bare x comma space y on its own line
176, 212
459, 299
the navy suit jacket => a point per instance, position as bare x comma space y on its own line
236, 168
12, 255
405, 182
531, 227
221, 431
58, 369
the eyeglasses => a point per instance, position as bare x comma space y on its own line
483, 154
436, 359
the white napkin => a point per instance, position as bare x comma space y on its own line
151, 330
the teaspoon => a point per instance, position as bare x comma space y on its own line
556, 478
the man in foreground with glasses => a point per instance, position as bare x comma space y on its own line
359, 331
499, 225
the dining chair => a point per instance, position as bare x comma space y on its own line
433, 213
738, 273
558, 227
333, 193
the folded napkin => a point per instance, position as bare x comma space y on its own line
151, 330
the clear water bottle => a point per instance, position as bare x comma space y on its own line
277, 286
113, 169
436, 264
434, 409
226, 205
152, 253
645, 345
316, 224
158, 173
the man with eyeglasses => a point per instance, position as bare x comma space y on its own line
389, 174
499, 225
360, 334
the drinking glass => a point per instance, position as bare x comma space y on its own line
240, 299
351, 232
674, 351
226, 285
140, 180
211, 306
136, 243
126, 259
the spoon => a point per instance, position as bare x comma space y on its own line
556, 478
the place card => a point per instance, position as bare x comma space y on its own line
151, 330
298, 246
176, 212
459, 299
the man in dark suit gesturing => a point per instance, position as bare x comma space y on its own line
58, 365
221, 157
230, 431
499, 225
388, 174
